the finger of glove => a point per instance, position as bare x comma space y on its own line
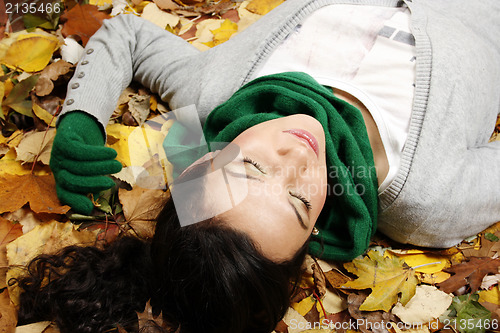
83, 184
78, 202
73, 147
90, 168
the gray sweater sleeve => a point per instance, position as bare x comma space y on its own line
126, 48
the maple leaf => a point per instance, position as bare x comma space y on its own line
36, 146
488, 248
141, 207
8, 313
386, 277
83, 20
471, 272
148, 320
8, 232
38, 191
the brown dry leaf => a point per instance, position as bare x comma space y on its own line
367, 319
8, 232
470, 273
36, 145
487, 248
82, 20
166, 4
319, 280
38, 191
147, 319
52, 72
336, 278
138, 106
141, 207
8, 313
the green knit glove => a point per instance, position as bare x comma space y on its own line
80, 162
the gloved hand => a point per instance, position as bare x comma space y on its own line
80, 162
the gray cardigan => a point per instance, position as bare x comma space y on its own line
448, 184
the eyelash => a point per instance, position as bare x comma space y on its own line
254, 163
306, 202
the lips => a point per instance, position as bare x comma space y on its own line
307, 137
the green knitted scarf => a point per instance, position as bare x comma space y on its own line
349, 217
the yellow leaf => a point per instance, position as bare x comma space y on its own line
31, 52
204, 35
46, 238
247, 18
424, 262
306, 281
119, 141
100, 2
434, 277
138, 145
262, 7
44, 115
9, 166
386, 277
13, 140
491, 296
224, 32
304, 306
2, 92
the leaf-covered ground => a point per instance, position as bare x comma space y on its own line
393, 288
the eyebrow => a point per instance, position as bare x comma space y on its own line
247, 176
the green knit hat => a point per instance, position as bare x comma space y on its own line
349, 217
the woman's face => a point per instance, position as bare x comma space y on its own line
285, 174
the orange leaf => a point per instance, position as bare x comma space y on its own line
38, 191
8, 313
83, 21
8, 232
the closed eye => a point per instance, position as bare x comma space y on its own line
254, 163
306, 202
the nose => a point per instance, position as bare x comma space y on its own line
293, 154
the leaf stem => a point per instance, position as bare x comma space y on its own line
428, 264
320, 303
